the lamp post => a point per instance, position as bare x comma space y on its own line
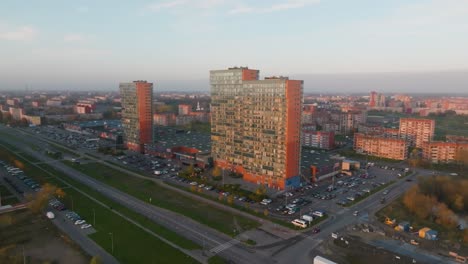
71, 197
94, 217
112, 242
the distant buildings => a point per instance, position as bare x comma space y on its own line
417, 131
318, 139
255, 126
382, 147
54, 102
137, 114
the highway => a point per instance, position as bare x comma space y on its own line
294, 250
201, 234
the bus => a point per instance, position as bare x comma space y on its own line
299, 223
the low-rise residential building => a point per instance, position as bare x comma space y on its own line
445, 152
318, 139
417, 131
380, 146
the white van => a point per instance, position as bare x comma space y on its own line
299, 223
318, 213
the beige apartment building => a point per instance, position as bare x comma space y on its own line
417, 131
445, 152
382, 147
255, 126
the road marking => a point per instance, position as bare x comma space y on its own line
224, 246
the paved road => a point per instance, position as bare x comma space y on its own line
295, 250
203, 235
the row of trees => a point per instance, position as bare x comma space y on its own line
6, 118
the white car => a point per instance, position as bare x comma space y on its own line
194, 183
79, 222
201, 185
85, 226
266, 201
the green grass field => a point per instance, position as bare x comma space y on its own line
10, 200
4, 191
140, 246
162, 197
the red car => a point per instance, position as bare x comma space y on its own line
315, 230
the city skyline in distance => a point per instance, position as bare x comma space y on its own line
412, 46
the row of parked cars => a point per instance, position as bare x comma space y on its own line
72, 216
18, 173
292, 207
77, 220
58, 205
218, 191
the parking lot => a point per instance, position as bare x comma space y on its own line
70, 139
170, 137
332, 195
17, 180
328, 196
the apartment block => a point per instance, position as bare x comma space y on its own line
137, 114
382, 147
417, 131
255, 126
445, 152
318, 139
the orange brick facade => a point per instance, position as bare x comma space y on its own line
137, 114
255, 125
378, 146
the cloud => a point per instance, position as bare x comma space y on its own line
24, 33
288, 4
73, 37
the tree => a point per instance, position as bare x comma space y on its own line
190, 170
230, 199
216, 172
95, 260
465, 236
265, 212
60, 193
38, 201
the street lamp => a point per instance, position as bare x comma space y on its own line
112, 242
71, 197
94, 217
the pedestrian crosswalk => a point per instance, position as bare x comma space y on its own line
224, 246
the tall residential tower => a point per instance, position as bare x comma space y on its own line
255, 126
137, 114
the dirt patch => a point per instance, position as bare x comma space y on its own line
351, 250
36, 237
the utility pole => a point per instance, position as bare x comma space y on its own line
112, 242
94, 217
71, 197
24, 257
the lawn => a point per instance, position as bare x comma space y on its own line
145, 189
10, 200
132, 237
41, 240
4, 191
131, 244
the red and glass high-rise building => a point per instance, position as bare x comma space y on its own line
137, 114
256, 126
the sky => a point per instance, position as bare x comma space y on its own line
334, 45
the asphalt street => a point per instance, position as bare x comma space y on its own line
182, 225
295, 250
